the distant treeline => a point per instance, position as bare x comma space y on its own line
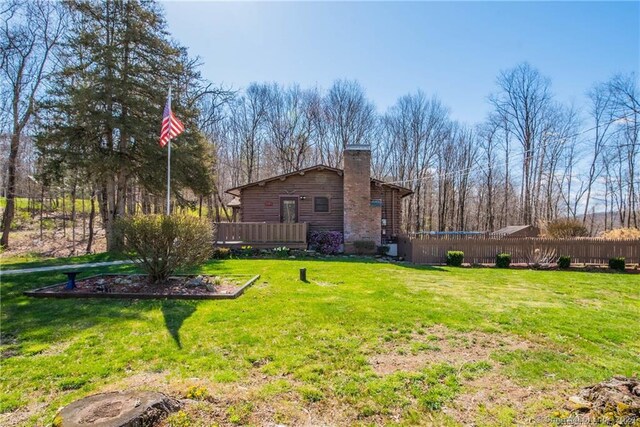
84, 83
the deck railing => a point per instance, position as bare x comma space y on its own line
261, 234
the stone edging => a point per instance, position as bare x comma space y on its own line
42, 292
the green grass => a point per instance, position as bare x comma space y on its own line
22, 204
286, 344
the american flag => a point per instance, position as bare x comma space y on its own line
171, 126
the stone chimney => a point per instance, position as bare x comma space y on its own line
362, 221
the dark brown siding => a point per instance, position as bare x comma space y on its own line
391, 209
262, 203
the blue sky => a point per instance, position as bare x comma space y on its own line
451, 49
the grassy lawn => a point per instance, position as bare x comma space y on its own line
22, 204
363, 343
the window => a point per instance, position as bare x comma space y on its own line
289, 209
321, 204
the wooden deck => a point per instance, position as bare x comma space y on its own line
261, 235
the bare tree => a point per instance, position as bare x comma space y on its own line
415, 128
523, 103
626, 110
347, 118
488, 144
289, 126
247, 120
600, 112
30, 31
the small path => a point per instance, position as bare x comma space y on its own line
64, 267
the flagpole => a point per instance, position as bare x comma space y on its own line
169, 167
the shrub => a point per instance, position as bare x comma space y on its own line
364, 246
541, 258
455, 258
179, 419
162, 244
221, 253
564, 262
197, 393
503, 260
247, 250
566, 228
621, 233
617, 263
281, 252
325, 242
382, 250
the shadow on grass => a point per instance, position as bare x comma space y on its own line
175, 312
44, 320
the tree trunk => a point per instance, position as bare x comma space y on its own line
9, 210
84, 216
41, 210
92, 215
73, 216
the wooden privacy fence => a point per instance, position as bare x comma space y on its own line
261, 234
484, 251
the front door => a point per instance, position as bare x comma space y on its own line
289, 209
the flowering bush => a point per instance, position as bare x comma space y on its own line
325, 242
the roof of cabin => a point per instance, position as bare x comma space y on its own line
235, 191
511, 229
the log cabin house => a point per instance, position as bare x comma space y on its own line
324, 198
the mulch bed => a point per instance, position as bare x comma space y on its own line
138, 286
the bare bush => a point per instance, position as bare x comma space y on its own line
541, 258
621, 233
162, 244
566, 228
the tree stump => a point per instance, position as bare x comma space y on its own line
617, 398
117, 409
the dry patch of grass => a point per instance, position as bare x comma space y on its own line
258, 400
22, 414
439, 344
488, 396
495, 399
